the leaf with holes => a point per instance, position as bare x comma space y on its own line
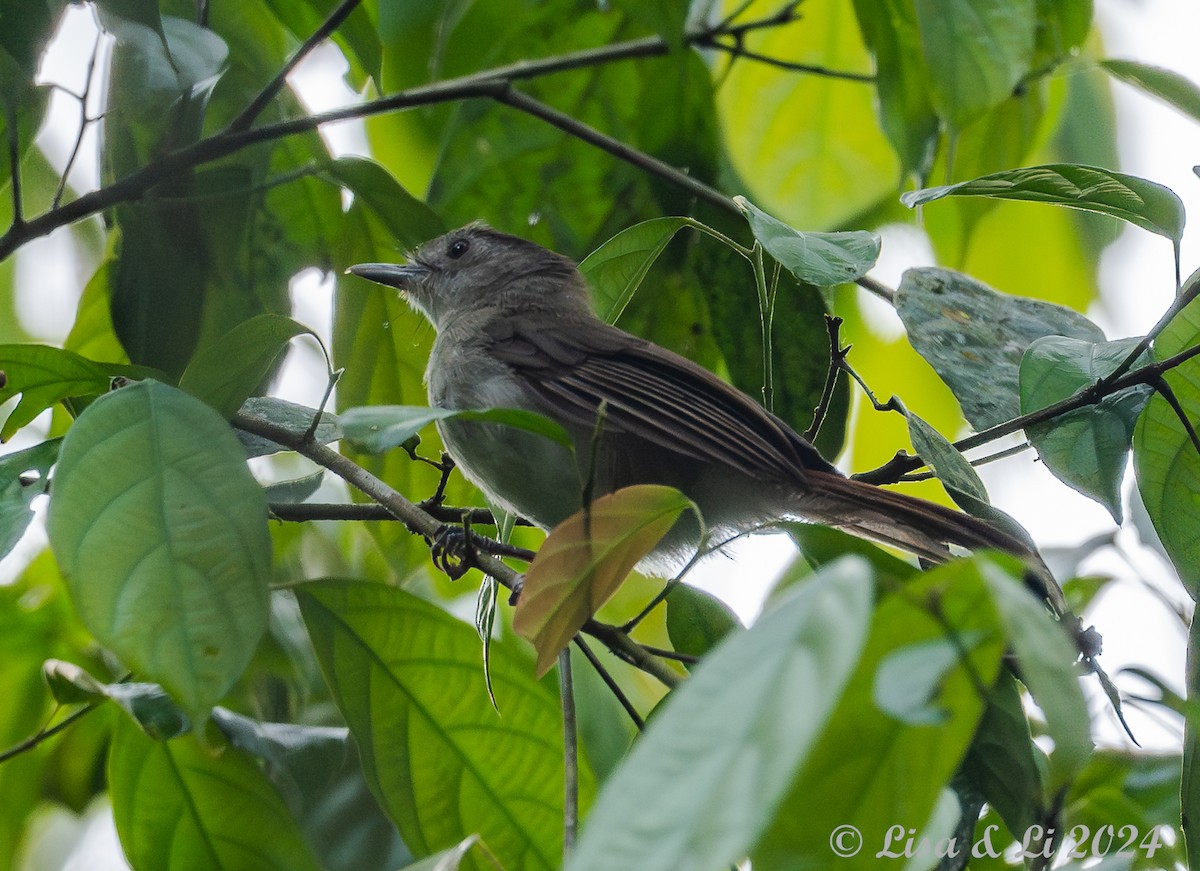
974, 337
585, 559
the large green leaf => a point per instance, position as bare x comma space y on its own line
905, 110
976, 52
1143, 203
775, 686
883, 758
409, 220
698, 621
809, 148
226, 372
1086, 449
179, 806
441, 761
1047, 667
974, 337
1165, 461
1003, 760
161, 533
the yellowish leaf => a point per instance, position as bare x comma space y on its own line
585, 559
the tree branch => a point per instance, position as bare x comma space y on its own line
493, 83
902, 464
423, 524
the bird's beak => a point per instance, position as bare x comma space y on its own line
400, 276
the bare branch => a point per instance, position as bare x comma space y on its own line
268, 93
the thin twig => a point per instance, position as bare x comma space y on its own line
486, 83
876, 287
84, 120
300, 512
566, 693
837, 354
737, 49
43, 734
617, 148
611, 683
248, 115
903, 463
982, 461
1180, 302
673, 655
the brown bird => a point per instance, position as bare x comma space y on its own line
515, 329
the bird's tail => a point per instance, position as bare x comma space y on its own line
923, 528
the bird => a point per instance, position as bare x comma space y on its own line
515, 328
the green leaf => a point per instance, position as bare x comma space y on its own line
870, 768
43, 375
905, 111
953, 470
179, 806
296, 417
1143, 203
379, 428
1165, 462
1003, 760
585, 559
820, 545
161, 534
698, 621
616, 269
775, 686
977, 51
146, 703
1047, 658
665, 17
909, 678
407, 219
295, 490
24, 475
1087, 448
406, 677
974, 337
316, 770
808, 147
226, 372
1176, 90
823, 259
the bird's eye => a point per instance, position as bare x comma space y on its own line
457, 249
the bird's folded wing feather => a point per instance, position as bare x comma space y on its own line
655, 394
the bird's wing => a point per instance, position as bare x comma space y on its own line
570, 369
